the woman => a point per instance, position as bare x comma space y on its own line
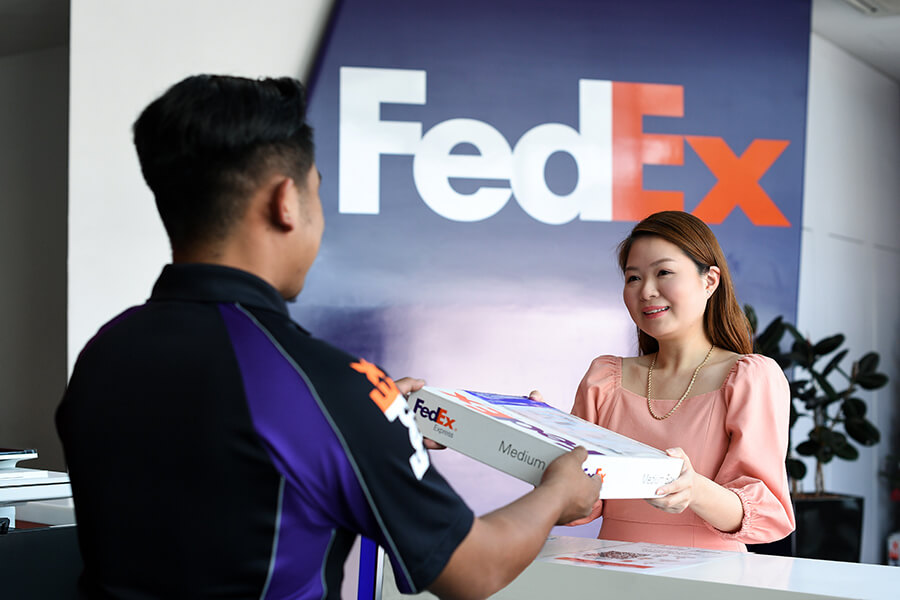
696, 389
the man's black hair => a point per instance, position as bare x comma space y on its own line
207, 143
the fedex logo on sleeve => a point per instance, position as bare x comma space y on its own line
390, 401
609, 148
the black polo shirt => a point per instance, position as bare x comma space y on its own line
216, 449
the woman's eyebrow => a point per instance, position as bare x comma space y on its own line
653, 264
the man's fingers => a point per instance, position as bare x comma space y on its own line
433, 445
580, 453
407, 385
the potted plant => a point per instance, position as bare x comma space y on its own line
837, 417
891, 475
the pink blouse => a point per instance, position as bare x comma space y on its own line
736, 436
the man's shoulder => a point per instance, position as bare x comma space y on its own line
327, 366
296, 340
111, 326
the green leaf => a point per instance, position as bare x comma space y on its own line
828, 345
872, 381
807, 448
795, 333
816, 402
796, 468
868, 363
854, 408
770, 339
794, 416
806, 394
797, 385
750, 313
826, 387
802, 359
847, 452
834, 362
801, 344
834, 439
783, 360
862, 431
815, 434
797, 356
825, 454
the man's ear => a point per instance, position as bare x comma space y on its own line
283, 205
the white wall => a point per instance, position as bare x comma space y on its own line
33, 124
851, 251
124, 55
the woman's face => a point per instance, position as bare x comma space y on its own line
665, 294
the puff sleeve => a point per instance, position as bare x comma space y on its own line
757, 399
598, 383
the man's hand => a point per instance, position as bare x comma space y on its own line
596, 513
407, 386
579, 491
501, 544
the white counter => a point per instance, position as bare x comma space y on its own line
739, 576
54, 485
19, 491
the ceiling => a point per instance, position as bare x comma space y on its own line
874, 40
30, 25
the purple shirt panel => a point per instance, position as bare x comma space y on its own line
321, 491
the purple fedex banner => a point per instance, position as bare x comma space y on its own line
481, 161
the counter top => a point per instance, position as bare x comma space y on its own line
732, 575
739, 575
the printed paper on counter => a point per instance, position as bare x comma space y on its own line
640, 557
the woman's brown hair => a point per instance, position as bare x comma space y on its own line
724, 322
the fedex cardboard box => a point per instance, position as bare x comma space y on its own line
521, 436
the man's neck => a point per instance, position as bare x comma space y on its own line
227, 255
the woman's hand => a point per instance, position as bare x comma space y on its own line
719, 506
679, 494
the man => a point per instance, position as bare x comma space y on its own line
218, 450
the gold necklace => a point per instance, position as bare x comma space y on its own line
683, 396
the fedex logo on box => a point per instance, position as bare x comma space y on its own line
609, 148
493, 411
437, 416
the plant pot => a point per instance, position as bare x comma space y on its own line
829, 527
893, 549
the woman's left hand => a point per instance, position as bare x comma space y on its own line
678, 495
